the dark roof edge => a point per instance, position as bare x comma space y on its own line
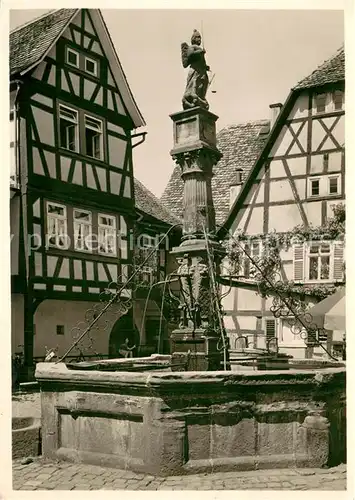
301, 85
155, 221
121, 67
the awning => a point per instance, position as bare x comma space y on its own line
329, 313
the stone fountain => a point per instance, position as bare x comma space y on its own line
169, 422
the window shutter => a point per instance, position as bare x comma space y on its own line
338, 261
298, 262
270, 325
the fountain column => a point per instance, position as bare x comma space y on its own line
197, 342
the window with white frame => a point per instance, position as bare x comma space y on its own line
68, 128
326, 185
338, 99
56, 225
91, 66
314, 187
82, 230
147, 258
320, 102
318, 261
93, 137
107, 235
80, 61
333, 184
72, 57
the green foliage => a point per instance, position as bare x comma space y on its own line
267, 271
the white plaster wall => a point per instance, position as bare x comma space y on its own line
256, 221
277, 169
17, 322
45, 125
117, 151
339, 131
314, 212
51, 313
334, 163
248, 300
297, 166
300, 109
280, 191
282, 143
301, 188
283, 218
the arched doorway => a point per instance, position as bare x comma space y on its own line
123, 329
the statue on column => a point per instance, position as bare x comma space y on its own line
197, 80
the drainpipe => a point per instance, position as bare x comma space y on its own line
17, 135
141, 134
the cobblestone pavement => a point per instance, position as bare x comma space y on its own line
45, 475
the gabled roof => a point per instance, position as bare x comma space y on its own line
30, 43
240, 145
149, 204
330, 71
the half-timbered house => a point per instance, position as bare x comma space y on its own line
73, 210
293, 187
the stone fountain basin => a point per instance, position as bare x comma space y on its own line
153, 362
173, 423
26, 437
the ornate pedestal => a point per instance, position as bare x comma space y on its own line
197, 343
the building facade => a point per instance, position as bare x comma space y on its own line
280, 179
294, 192
75, 222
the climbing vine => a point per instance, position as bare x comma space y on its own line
266, 268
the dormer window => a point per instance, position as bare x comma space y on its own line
91, 66
72, 57
338, 98
320, 101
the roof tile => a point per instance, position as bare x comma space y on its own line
240, 145
149, 204
30, 42
330, 71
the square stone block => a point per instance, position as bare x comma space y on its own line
194, 128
